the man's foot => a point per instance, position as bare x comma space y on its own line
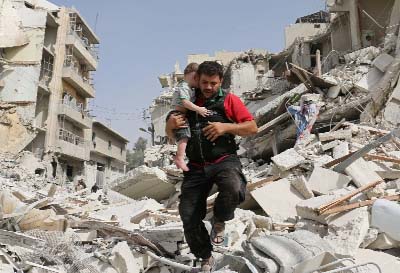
217, 235
207, 265
180, 163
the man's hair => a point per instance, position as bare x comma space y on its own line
210, 68
192, 67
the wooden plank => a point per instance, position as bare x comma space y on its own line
340, 200
269, 125
343, 165
252, 186
383, 158
337, 126
359, 204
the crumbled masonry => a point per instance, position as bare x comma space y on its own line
331, 194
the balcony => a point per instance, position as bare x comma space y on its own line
83, 86
83, 50
72, 145
75, 114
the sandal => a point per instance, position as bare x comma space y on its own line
217, 235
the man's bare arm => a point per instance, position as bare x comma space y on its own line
216, 129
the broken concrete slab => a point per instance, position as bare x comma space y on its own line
330, 145
287, 250
388, 263
144, 181
341, 150
392, 112
322, 180
383, 61
339, 134
361, 173
124, 213
370, 80
346, 233
301, 185
288, 159
384, 241
278, 199
123, 259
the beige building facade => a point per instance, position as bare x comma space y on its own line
46, 72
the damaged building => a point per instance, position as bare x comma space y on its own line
46, 76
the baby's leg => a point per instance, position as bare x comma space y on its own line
180, 154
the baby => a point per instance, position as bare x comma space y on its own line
182, 100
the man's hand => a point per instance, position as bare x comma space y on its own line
214, 130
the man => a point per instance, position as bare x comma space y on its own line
211, 151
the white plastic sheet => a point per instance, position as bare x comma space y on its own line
386, 217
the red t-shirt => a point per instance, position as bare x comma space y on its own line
235, 109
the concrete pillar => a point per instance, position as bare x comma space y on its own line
354, 24
55, 85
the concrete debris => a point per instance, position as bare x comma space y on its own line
288, 159
322, 180
383, 61
270, 199
370, 80
144, 181
313, 174
302, 186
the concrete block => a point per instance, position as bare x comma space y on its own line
383, 61
322, 181
346, 233
388, 263
396, 92
330, 145
334, 91
288, 159
361, 173
369, 80
392, 112
384, 241
278, 199
86, 235
301, 185
123, 260
340, 134
341, 150
144, 181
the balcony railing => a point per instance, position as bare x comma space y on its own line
85, 42
71, 104
83, 84
70, 137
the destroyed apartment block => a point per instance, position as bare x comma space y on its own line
323, 170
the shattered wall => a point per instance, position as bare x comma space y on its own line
302, 30
21, 57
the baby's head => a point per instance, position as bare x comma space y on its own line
190, 75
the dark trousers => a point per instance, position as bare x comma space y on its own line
197, 183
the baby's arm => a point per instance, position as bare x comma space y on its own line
193, 107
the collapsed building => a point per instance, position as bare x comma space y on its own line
323, 185
48, 57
